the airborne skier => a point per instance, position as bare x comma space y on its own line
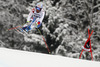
35, 17
34, 20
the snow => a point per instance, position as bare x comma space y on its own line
16, 58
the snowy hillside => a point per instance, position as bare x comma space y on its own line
15, 58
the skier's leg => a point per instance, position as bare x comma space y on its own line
31, 25
29, 28
24, 27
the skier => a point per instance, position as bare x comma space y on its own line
35, 18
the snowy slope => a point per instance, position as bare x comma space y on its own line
15, 58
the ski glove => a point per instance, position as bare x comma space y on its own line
28, 21
38, 23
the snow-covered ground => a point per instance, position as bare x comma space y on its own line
16, 58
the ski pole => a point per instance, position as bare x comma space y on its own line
44, 40
13, 28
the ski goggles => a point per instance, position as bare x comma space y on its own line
38, 8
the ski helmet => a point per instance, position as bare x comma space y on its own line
39, 6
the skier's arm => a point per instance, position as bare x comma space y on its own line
41, 17
29, 16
